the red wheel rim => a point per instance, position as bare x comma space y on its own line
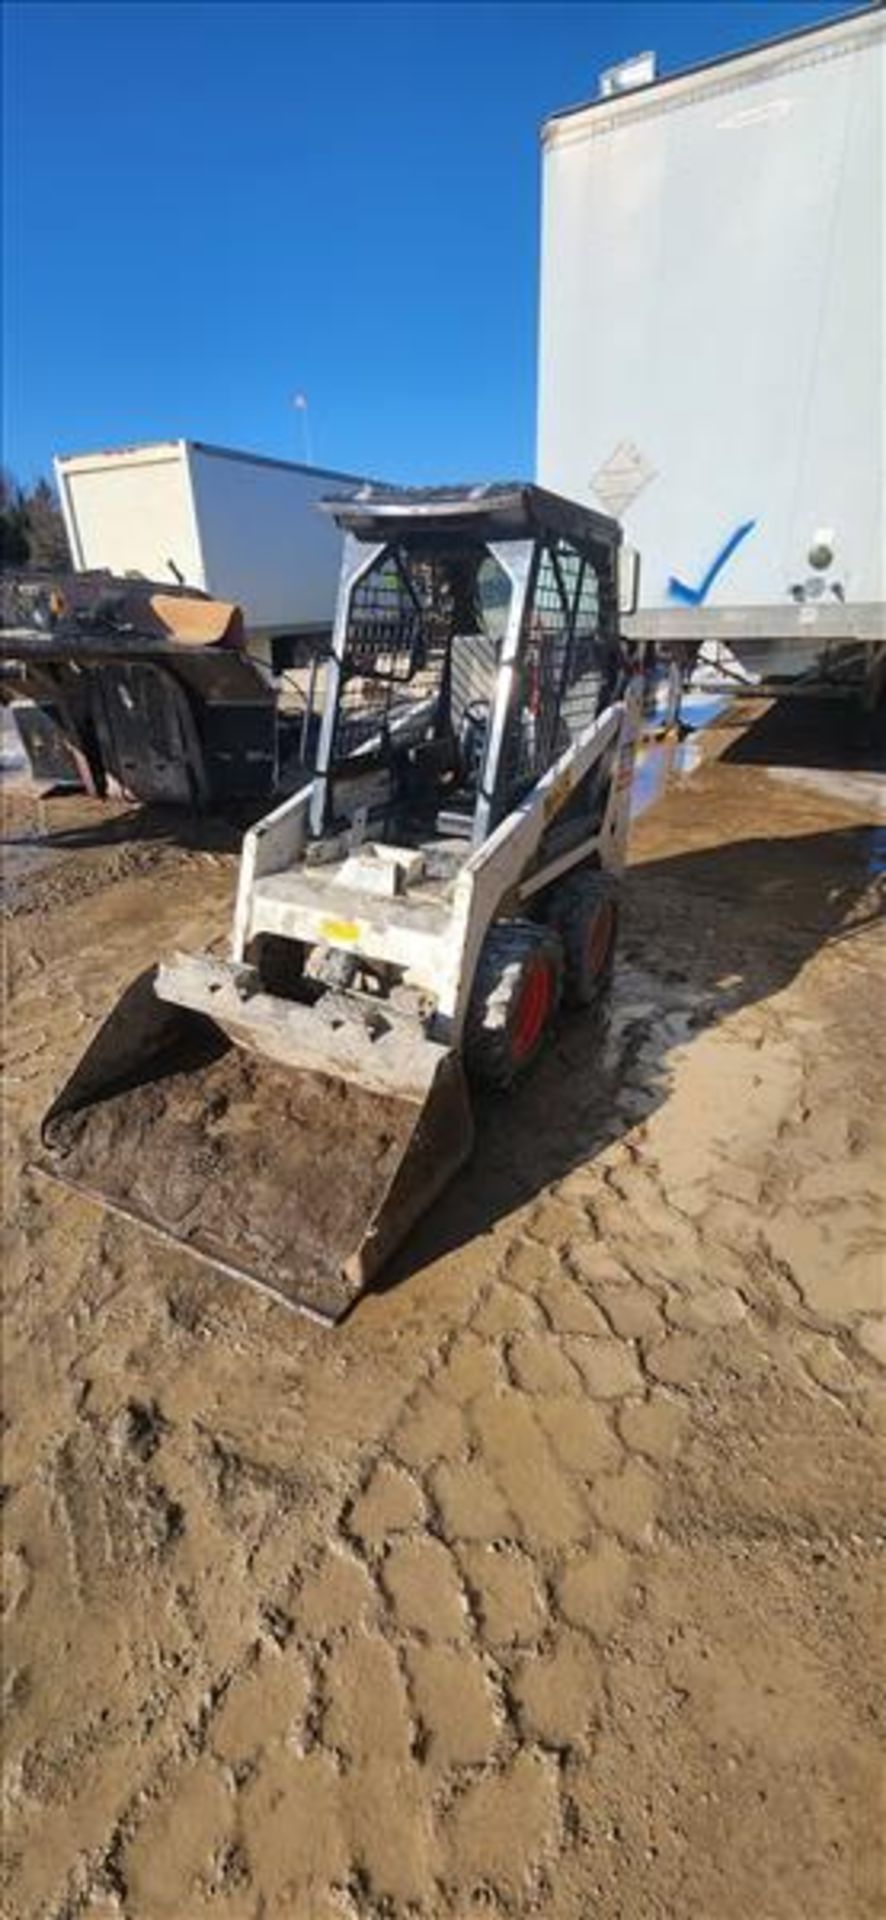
533, 1008
600, 937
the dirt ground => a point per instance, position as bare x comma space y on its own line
548, 1583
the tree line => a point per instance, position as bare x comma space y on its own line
32, 531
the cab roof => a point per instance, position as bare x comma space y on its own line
495, 510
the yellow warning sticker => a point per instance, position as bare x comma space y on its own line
342, 932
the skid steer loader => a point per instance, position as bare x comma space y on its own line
407, 922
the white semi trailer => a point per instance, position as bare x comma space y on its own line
712, 343
241, 527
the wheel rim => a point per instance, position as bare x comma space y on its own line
600, 937
533, 1008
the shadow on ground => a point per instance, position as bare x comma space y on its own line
92, 826
832, 734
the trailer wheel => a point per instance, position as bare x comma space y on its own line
584, 912
515, 996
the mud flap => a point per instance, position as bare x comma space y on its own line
299, 1182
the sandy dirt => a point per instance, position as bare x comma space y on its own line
548, 1583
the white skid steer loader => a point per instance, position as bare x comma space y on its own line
407, 922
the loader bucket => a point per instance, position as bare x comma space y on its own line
300, 1182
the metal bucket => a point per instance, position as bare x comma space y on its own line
300, 1181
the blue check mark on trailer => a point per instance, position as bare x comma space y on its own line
696, 596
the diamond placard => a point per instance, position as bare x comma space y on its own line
621, 478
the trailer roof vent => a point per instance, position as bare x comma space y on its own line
637, 71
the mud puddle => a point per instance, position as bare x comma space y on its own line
677, 756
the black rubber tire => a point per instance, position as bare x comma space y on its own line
510, 950
572, 908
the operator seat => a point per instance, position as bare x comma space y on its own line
472, 670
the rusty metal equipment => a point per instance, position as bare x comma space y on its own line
142, 689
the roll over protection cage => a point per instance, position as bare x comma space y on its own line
548, 550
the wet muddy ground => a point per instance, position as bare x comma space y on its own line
551, 1582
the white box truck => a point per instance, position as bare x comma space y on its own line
712, 342
242, 527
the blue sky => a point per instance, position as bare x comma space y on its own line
210, 207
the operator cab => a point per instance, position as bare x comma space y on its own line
417, 680
476, 637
